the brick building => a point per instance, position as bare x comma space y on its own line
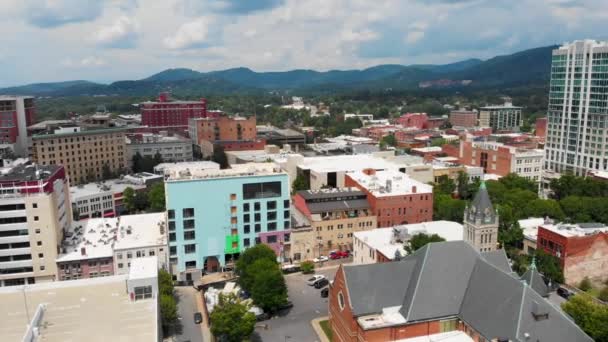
463, 118
413, 120
540, 129
16, 114
394, 197
233, 133
582, 249
445, 291
171, 114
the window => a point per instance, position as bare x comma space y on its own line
189, 249
171, 237
272, 226
151, 252
34, 205
129, 255
173, 250
35, 218
341, 300
286, 204
257, 217
119, 256
188, 224
286, 214
37, 231
190, 264
171, 226
256, 206
40, 255
188, 212
271, 215
143, 292
271, 205
246, 207
171, 214
448, 325
261, 190
120, 265
257, 240
42, 268
287, 224
138, 254
39, 243
246, 218
271, 239
189, 235
246, 229
258, 227
246, 242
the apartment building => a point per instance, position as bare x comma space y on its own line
83, 154
463, 118
168, 114
34, 214
577, 116
16, 114
213, 214
232, 133
171, 148
394, 197
500, 159
505, 117
334, 215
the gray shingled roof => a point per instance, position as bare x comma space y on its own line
448, 279
481, 208
535, 281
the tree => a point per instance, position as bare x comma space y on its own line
603, 294
300, 183
219, 156
462, 185
128, 199
585, 284
168, 311
140, 201
512, 237
445, 185
588, 315
158, 159
106, 172
307, 267
420, 240
447, 208
268, 289
165, 282
388, 140
549, 266
230, 320
248, 258
156, 197
137, 162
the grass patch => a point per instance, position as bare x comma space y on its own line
595, 292
326, 328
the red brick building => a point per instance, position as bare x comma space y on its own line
394, 197
414, 120
16, 114
541, 128
171, 114
233, 133
446, 291
463, 118
582, 249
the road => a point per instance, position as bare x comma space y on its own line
307, 304
186, 307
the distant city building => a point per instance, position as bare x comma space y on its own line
387, 244
578, 109
540, 128
280, 137
413, 120
463, 118
445, 291
504, 117
582, 249
86, 309
170, 114
395, 198
16, 114
167, 169
232, 133
35, 212
172, 148
334, 215
242, 204
481, 222
84, 154
501, 159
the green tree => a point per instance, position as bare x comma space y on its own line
128, 199
462, 185
420, 240
447, 208
549, 266
165, 282
585, 284
219, 156
511, 238
307, 267
438, 142
268, 289
588, 315
603, 294
156, 197
248, 258
137, 160
230, 320
388, 140
168, 312
106, 172
445, 185
300, 183
158, 159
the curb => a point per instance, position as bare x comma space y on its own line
317, 328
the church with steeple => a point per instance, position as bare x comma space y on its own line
481, 222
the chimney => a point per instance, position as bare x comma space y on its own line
83, 251
414, 189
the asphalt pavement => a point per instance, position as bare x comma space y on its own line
187, 331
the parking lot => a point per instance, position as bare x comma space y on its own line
294, 325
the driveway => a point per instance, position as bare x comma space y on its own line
295, 325
186, 307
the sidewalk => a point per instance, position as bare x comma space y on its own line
317, 327
207, 336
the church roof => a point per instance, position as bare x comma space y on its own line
535, 280
481, 207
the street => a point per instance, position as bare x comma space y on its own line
307, 304
186, 307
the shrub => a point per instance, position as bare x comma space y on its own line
307, 267
585, 284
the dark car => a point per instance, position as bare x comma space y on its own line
325, 292
563, 292
198, 318
262, 317
285, 306
321, 283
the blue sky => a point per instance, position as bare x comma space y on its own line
107, 40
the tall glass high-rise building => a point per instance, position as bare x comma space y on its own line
577, 131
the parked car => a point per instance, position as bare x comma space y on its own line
322, 258
325, 292
565, 293
312, 280
285, 306
198, 318
321, 283
290, 268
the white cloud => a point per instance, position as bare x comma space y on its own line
121, 33
188, 35
414, 36
86, 62
358, 36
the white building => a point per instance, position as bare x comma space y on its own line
577, 117
501, 117
171, 148
385, 244
166, 168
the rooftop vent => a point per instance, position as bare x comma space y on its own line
540, 312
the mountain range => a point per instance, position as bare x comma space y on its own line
525, 68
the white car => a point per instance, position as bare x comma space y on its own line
312, 280
322, 258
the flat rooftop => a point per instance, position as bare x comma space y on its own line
430, 149
27, 172
578, 229
93, 310
259, 156
113, 185
390, 183
237, 170
382, 239
99, 237
182, 166
346, 163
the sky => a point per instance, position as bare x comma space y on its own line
108, 40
